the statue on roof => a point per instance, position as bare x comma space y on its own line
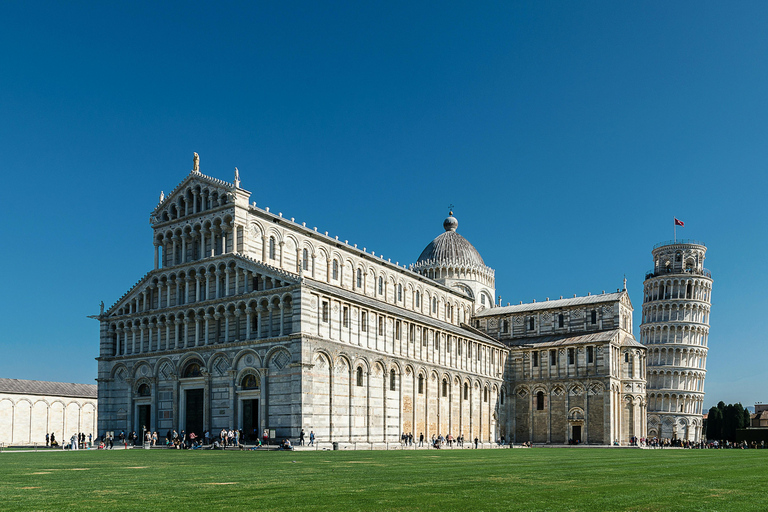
101, 307
162, 196
196, 163
237, 178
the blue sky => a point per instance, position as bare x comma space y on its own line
567, 135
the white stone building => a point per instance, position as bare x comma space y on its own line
29, 409
676, 303
251, 320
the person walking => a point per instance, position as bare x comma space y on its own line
301, 438
311, 438
476, 443
47, 438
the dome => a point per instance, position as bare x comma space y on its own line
450, 248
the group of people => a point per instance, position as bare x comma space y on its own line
437, 441
76, 441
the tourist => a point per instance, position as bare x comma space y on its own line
421, 439
311, 438
476, 443
301, 438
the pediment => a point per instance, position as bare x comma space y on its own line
625, 300
181, 199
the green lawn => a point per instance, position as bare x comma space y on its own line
522, 479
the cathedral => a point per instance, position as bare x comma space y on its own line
251, 320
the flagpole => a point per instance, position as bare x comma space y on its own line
675, 228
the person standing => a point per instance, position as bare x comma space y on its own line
476, 443
421, 439
301, 438
47, 438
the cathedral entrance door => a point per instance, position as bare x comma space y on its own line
576, 433
251, 419
194, 412
144, 417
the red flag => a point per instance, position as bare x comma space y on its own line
678, 222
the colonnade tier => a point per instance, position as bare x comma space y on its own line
677, 287
437, 271
660, 402
193, 200
675, 334
259, 317
677, 356
193, 242
676, 380
210, 281
683, 311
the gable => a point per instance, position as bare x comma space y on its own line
195, 194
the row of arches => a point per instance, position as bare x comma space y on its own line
207, 238
677, 380
199, 284
260, 317
192, 200
356, 399
680, 357
679, 288
685, 312
675, 402
437, 271
27, 419
674, 334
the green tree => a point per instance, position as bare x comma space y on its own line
747, 418
714, 423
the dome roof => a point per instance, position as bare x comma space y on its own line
450, 247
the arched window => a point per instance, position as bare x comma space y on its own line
485, 395
191, 370
421, 384
445, 387
466, 391
335, 269
392, 380
364, 321
540, 401
381, 285
399, 293
418, 299
482, 299
305, 259
143, 390
501, 397
249, 382
434, 305
359, 278
360, 376
271, 247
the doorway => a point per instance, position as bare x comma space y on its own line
576, 433
194, 412
251, 420
144, 418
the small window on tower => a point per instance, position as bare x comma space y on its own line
560, 320
531, 324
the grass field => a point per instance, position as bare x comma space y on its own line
476, 480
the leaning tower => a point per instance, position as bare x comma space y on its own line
675, 328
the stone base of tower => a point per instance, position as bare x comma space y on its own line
675, 426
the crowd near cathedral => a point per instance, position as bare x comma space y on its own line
253, 321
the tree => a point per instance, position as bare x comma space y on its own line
715, 423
